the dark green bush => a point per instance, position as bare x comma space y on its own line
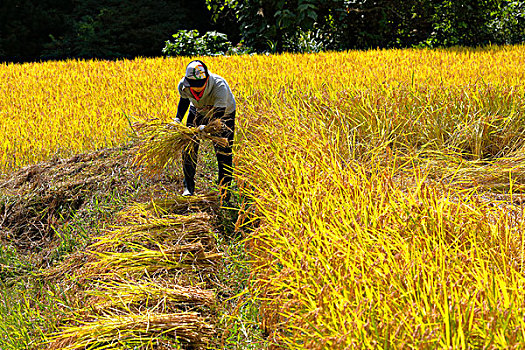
189, 43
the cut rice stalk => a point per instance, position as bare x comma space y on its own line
181, 257
171, 230
123, 294
142, 330
162, 143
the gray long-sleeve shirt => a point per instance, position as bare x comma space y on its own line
217, 94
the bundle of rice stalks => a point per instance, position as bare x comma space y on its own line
162, 143
146, 260
173, 205
157, 294
135, 331
175, 230
141, 231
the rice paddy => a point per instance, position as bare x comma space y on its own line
382, 195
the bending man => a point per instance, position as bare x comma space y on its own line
208, 97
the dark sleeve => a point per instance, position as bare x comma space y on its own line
219, 112
182, 108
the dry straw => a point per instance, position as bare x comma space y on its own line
148, 293
142, 275
163, 143
145, 260
169, 231
141, 331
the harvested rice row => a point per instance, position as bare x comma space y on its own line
129, 293
180, 229
174, 230
128, 308
143, 331
187, 256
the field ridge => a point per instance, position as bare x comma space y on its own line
146, 277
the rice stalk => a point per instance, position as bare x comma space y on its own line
112, 294
111, 331
162, 143
181, 257
169, 230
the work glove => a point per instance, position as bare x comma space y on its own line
200, 131
171, 126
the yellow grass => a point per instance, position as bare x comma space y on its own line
386, 184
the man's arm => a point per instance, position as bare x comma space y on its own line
218, 112
182, 108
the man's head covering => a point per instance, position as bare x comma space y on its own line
196, 74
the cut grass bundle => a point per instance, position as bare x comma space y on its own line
135, 331
162, 143
155, 293
173, 205
173, 230
180, 257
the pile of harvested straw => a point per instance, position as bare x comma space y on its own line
36, 200
155, 294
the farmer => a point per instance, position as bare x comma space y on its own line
208, 97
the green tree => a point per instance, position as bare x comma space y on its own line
381, 23
347, 24
36, 29
269, 24
509, 25
126, 28
27, 26
464, 22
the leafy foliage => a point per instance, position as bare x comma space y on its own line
188, 43
278, 25
111, 29
25, 26
509, 26
92, 28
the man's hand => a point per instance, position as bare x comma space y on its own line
200, 129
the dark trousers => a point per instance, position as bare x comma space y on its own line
224, 154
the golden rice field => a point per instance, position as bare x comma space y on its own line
385, 186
